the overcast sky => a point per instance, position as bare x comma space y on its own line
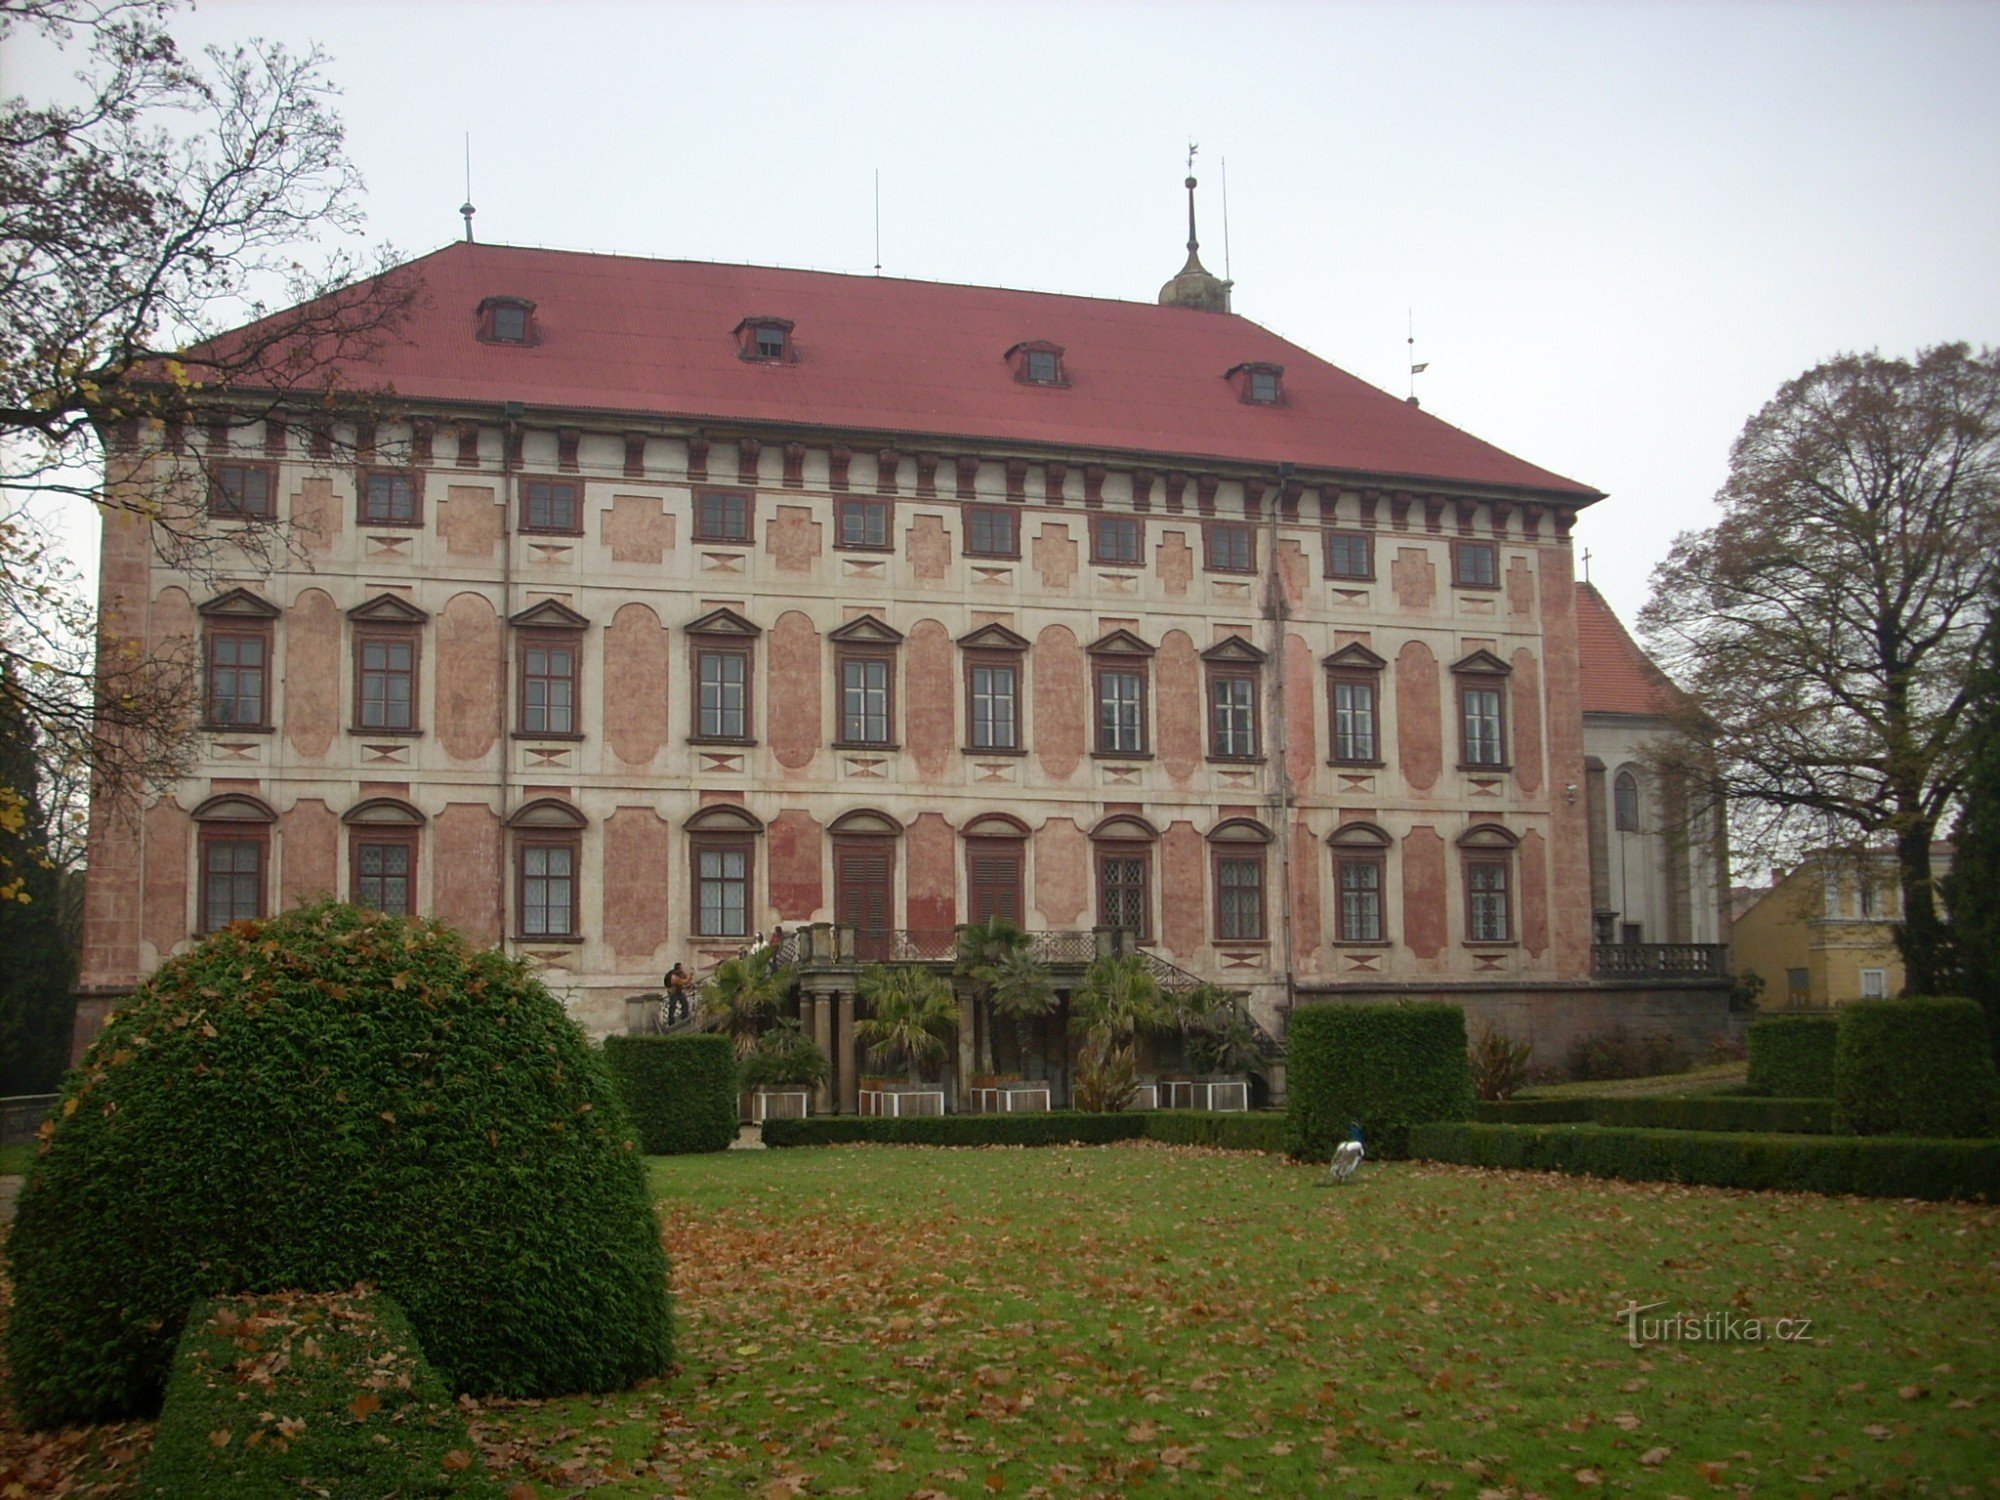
1619, 227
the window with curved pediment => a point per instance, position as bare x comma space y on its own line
722, 866
1360, 878
1122, 850
1486, 856
233, 854
548, 867
1239, 850
383, 834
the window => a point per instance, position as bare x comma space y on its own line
1487, 851
1798, 985
507, 320
1350, 554
1120, 669
1482, 711
232, 880
994, 705
1874, 984
1122, 881
1044, 367
991, 532
1263, 386
1038, 362
1231, 547
1257, 383
241, 490
766, 340
865, 678
552, 505
1354, 705
1360, 873
1239, 847
1475, 565
548, 686
1234, 672
1625, 802
864, 524
385, 871
1360, 881
232, 853
1864, 895
770, 341
722, 890
723, 646
548, 888
1631, 934
391, 497
1117, 540
387, 690
721, 516
238, 676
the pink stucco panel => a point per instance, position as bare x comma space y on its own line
1294, 572
1301, 716
797, 880
1307, 852
1414, 577
932, 846
930, 698
468, 890
1419, 716
1524, 720
637, 529
170, 909
1426, 916
310, 641
637, 884
1533, 856
471, 677
172, 628
1520, 589
1055, 556
317, 518
1569, 832
309, 861
1062, 872
1177, 707
468, 518
929, 549
1059, 680
1183, 891
1175, 564
792, 712
635, 677
792, 539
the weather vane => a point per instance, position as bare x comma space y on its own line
1192, 148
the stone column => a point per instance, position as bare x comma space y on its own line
966, 1040
850, 1081
822, 1023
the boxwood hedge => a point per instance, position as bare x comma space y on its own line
680, 1091
1880, 1167
327, 1098
1254, 1131
1791, 1057
1913, 1067
340, 1402
1726, 1112
1056, 1128
1387, 1067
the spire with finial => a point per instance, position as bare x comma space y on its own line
1194, 286
466, 209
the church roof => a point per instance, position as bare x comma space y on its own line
1616, 676
911, 360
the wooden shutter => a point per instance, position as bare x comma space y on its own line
994, 886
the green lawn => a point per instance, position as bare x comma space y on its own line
1141, 1319
1713, 1078
14, 1159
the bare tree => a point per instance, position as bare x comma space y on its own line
144, 220
1826, 627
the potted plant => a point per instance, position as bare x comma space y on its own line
912, 1011
1218, 1038
780, 1071
1117, 1000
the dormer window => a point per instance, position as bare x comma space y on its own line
768, 340
507, 320
1038, 362
1258, 384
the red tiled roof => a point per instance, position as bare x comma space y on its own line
1616, 676
911, 358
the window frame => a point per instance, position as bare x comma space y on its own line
1224, 856
373, 632
530, 641
553, 483
225, 628
1486, 849
1220, 674
222, 506
1625, 802
1120, 666
551, 839
385, 836
1376, 862
846, 506
239, 834
1464, 568
865, 654
487, 327
701, 530
364, 486
1103, 522
1344, 744
1480, 673
722, 650
742, 842
993, 661
1365, 542
1138, 851
1212, 531
990, 513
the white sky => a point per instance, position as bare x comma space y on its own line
1620, 227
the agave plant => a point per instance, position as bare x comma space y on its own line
913, 1011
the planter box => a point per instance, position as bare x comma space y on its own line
1145, 1096
1010, 1099
901, 1101
1228, 1095
779, 1104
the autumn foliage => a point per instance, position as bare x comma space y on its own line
328, 1098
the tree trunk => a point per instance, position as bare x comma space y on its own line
1922, 939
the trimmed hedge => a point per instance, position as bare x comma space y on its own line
1056, 1128
1791, 1057
1913, 1067
679, 1090
1265, 1130
1724, 1112
302, 1393
1572, 1110
328, 1098
1387, 1066
1878, 1167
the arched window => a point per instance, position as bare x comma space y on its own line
382, 838
1239, 849
996, 867
1487, 858
1625, 802
548, 868
1122, 850
1360, 878
234, 847
722, 864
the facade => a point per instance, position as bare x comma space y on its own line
1825, 933
667, 602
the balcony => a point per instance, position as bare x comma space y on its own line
1669, 962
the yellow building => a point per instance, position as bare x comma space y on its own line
1826, 933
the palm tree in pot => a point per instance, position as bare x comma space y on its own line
1117, 1000
912, 1011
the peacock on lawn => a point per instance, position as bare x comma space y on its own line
1347, 1155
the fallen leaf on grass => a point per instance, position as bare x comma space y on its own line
1652, 1458
365, 1405
457, 1461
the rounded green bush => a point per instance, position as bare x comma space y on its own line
328, 1098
